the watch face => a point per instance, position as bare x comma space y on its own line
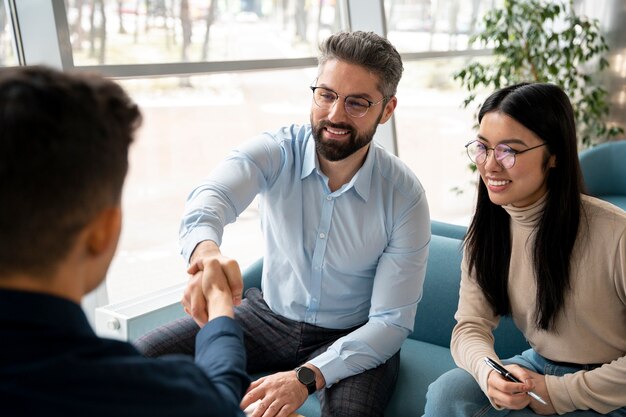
305, 375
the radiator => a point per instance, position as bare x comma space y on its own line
129, 319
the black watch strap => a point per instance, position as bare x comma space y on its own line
307, 377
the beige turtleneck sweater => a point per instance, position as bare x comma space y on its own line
590, 329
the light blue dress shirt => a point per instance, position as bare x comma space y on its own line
356, 256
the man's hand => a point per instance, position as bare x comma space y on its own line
280, 394
514, 395
214, 286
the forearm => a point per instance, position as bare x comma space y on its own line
469, 345
365, 348
207, 212
222, 338
472, 337
602, 389
228, 191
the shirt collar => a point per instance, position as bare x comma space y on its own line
363, 178
361, 181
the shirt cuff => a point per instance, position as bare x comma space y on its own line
331, 366
195, 236
219, 326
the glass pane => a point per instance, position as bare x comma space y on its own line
159, 31
432, 128
189, 126
8, 57
434, 25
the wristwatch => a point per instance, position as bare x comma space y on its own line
307, 377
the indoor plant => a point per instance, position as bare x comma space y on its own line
546, 41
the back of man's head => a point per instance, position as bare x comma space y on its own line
368, 50
64, 142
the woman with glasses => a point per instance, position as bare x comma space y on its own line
553, 258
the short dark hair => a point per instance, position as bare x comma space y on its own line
64, 142
368, 50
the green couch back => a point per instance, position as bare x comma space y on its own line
434, 320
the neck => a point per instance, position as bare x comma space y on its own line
45, 285
341, 172
70, 278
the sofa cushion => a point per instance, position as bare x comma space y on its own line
434, 319
420, 364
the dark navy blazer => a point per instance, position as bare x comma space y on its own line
52, 363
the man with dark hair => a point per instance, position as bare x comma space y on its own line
346, 229
64, 143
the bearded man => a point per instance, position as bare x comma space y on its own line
346, 230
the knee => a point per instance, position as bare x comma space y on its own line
438, 391
447, 391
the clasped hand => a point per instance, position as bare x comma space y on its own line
514, 395
214, 285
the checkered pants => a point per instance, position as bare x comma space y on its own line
274, 343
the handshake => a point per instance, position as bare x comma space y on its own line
215, 285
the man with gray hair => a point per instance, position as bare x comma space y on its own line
346, 229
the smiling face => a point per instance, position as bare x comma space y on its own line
337, 134
525, 182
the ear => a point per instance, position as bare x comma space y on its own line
552, 161
388, 111
104, 230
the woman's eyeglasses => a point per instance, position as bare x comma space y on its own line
504, 154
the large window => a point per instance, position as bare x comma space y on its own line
432, 129
8, 56
187, 130
219, 72
440, 25
159, 31
192, 120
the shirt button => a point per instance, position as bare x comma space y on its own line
328, 198
322, 235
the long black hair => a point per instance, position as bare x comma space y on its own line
545, 110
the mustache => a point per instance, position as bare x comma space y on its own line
338, 126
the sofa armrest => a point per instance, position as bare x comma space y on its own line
252, 275
450, 230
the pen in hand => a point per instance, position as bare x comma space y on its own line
503, 371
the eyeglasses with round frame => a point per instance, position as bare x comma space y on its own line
355, 106
504, 154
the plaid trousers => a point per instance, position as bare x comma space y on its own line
274, 343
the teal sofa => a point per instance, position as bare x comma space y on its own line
426, 353
604, 171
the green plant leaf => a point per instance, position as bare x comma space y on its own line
546, 41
